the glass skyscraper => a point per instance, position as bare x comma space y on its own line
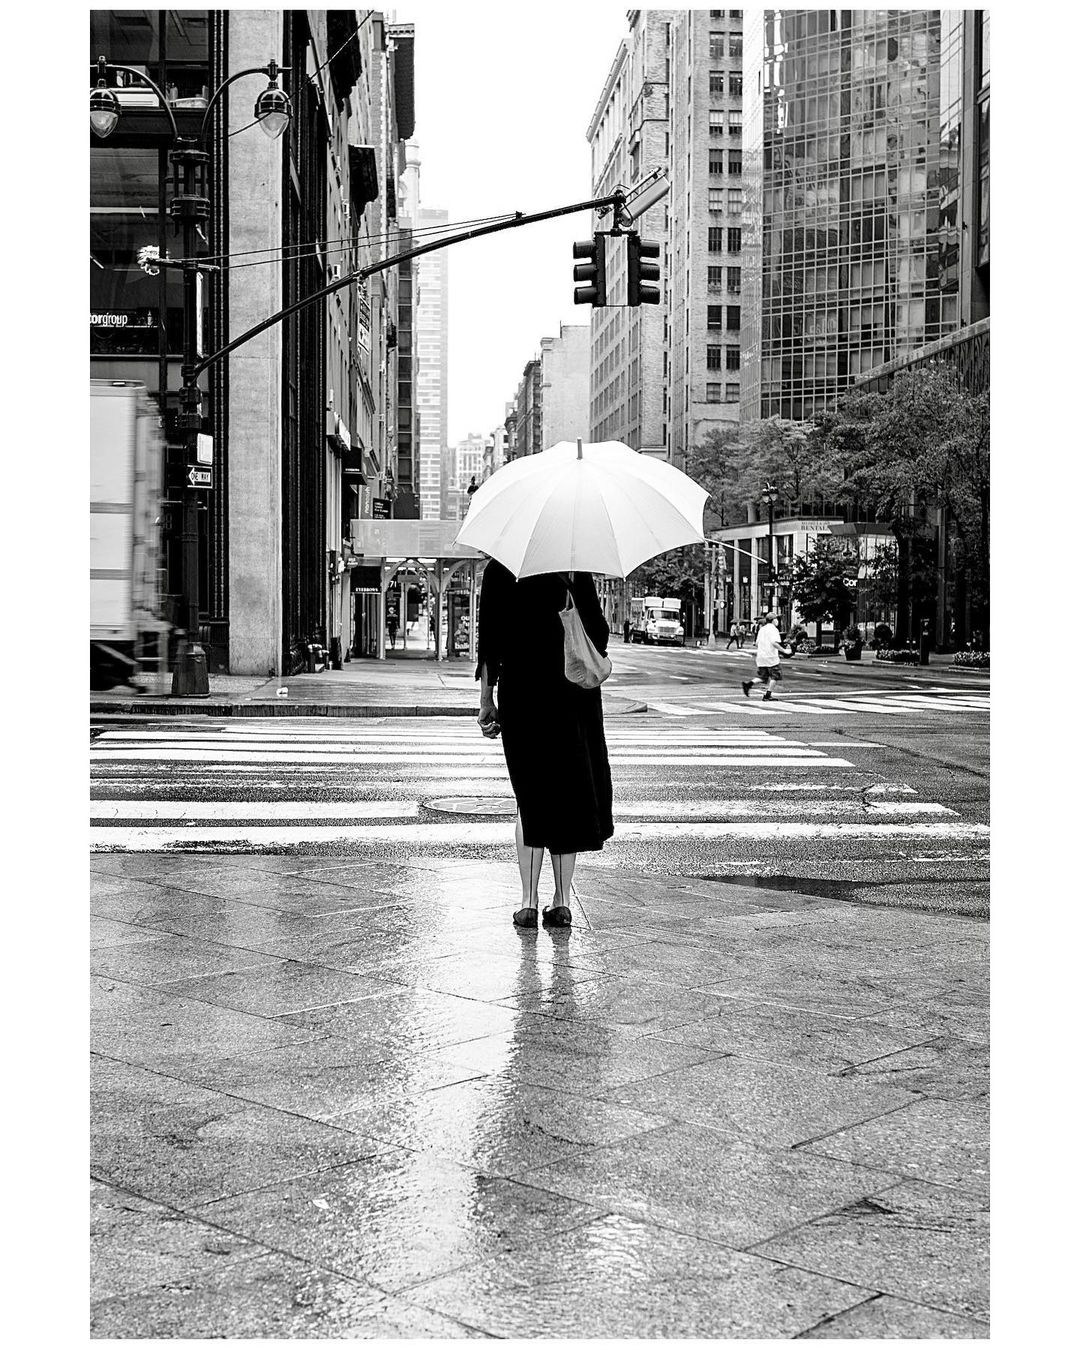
841, 149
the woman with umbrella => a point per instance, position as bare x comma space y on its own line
549, 522
552, 730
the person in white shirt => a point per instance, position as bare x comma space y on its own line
769, 643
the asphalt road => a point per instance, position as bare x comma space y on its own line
858, 782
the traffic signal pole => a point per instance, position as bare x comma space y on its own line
190, 675
617, 199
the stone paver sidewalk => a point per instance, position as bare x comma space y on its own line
348, 1099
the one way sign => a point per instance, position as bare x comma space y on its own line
200, 477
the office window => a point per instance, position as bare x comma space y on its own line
734, 318
734, 280
715, 312
735, 84
714, 358
716, 161
716, 123
734, 46
734, 163
714, 393
732, 361
716, 81
731, 393
716, 46
734, 240
716, 198
716, 278
716, 238
734, 198
716, 13
734, 124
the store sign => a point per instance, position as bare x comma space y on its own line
124, 318
380, 508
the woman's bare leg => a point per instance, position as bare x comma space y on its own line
530, 863
562, 864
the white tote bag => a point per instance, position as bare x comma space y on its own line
582, 663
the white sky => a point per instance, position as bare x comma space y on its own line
504, 94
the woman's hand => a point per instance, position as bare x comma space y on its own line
488, 720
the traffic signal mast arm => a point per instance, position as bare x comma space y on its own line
616, 199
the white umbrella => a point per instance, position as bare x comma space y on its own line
599, 507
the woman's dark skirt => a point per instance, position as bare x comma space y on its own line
557, 759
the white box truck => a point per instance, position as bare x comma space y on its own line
657, 620
127, 630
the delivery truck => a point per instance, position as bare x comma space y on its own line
657, 619
127, 629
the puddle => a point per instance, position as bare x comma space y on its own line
819, 887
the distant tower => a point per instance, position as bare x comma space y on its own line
431, 370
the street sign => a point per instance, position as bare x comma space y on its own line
200, 477
204, 449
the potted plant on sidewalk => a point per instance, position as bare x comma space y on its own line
852, 643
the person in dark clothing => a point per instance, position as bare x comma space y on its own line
552, 730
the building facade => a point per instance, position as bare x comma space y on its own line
300, 416
431, 344
702, 352
564, 385
629, 137
842, 164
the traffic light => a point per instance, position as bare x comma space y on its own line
638, 271
591, 273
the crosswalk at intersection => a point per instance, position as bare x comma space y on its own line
434, 783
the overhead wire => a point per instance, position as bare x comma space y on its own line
286, 252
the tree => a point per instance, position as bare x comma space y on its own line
920, 447
680, 572
714, 465
820, 583
734, 465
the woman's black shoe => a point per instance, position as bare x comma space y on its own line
558, 915
525, 917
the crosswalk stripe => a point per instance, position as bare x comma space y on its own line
258, 838
253, 810
781, 755
286, 812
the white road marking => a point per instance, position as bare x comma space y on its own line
712, 809
254, 810
754, 708
734, 757
258, 838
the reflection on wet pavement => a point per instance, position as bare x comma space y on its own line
348, 1100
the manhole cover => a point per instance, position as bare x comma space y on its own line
474, 805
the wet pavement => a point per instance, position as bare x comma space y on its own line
345, 1099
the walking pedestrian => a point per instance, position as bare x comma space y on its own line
626, 629
391, 628
769, 643
552, 730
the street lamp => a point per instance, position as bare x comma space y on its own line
189, 208
769, 495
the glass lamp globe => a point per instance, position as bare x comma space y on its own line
104, 112
272, 111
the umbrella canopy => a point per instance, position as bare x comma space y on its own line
599, 507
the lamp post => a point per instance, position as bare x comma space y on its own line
189, 208
769, 495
